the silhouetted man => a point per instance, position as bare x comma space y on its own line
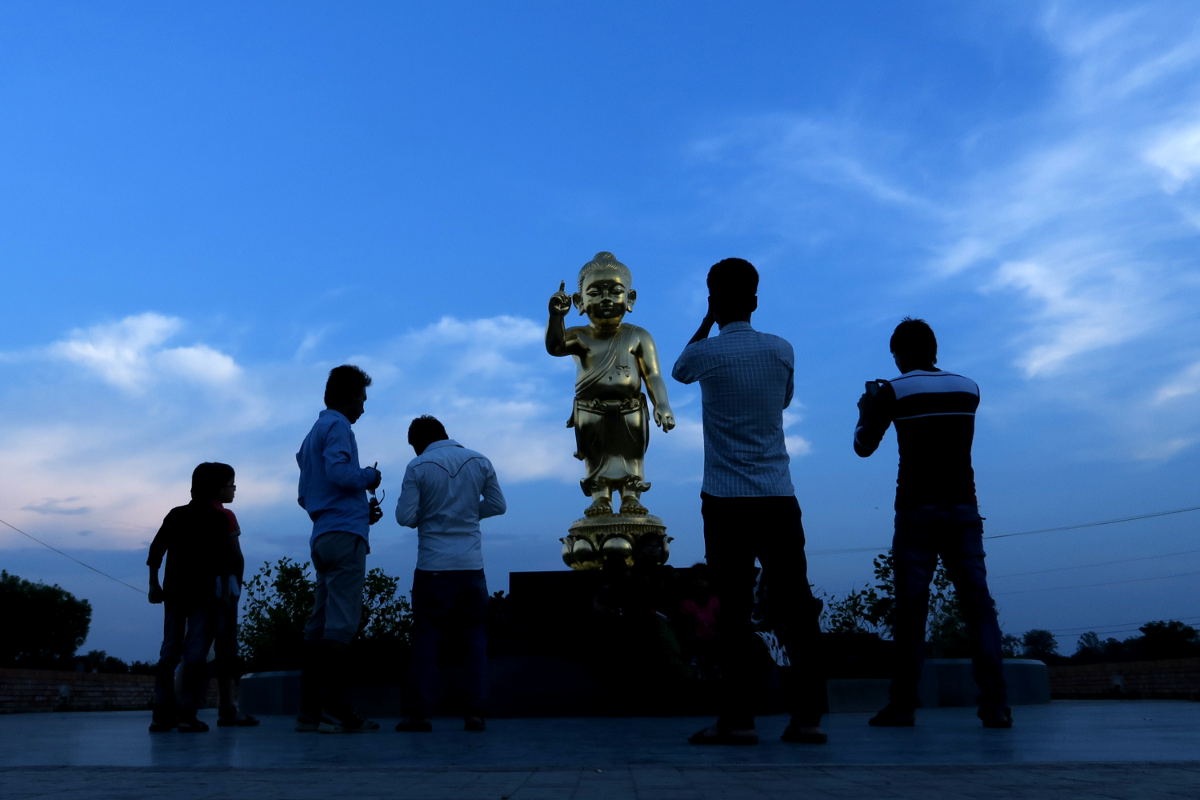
749, 507
333, 490
447, 489
936, 515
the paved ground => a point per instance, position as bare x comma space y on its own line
1063, 750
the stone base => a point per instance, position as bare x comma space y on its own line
591, 541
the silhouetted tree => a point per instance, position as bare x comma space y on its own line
1115, 650
1166, 639
1010, 646
100, 661
1040, 644
872, 608
1089, 646
44, 625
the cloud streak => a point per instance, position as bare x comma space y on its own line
1075, 220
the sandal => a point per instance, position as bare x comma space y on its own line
192, 725
724, 736
236, 719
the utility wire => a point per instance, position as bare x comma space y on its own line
1150, 515
1121, 626
1096, 524
1094, 564
1105, 583
73, 558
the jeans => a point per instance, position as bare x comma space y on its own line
450, 602
955, 533
187, 635
225, 638
736, 531
340, 561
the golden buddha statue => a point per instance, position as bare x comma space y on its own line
614, 360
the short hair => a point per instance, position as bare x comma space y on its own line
913, 340
344, 385
733, 278
605, 260
425, 430
209, 478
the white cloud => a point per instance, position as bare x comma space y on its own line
199, 364
119, 352
129, 355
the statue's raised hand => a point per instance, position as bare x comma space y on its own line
560, 301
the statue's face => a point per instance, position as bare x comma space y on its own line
605, 296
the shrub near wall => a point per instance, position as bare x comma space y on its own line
30, 690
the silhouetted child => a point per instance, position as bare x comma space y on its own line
231, 573
197, 542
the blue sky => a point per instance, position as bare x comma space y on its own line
207, 207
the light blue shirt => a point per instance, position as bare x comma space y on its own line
447, 490
746, 383
332, 484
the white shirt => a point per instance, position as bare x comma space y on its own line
446, 491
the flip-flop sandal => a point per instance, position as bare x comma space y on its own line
715, 735
192, 726
240, 721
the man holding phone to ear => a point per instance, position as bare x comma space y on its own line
937, 515
750, 510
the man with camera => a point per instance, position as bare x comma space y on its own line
937, 515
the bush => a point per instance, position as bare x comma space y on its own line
871, 610
277, 602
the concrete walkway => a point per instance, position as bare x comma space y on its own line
1061, 750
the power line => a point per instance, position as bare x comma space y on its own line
1105, 583
73, 558
1095, 564
1149, 515
1096, 524
1120, 626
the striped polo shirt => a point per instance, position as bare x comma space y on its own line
934, 415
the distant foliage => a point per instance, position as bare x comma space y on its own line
1040, 644
100, 661
44, 625
1010, 646
872, 609
277, 602
1158, 640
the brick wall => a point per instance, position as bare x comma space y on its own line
1170, 678
25, 690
